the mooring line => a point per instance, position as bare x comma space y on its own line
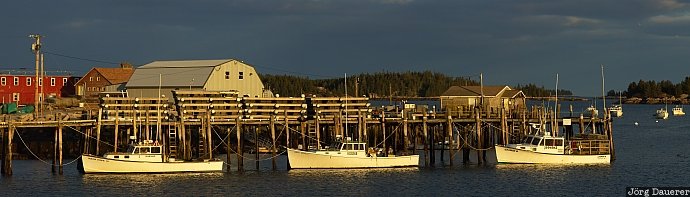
36, 156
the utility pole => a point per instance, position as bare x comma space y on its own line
36, 48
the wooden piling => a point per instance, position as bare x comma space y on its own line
273, 139
449, 127
2, 146
383, 132
426, 140
480, 141
406, 142
240, 152
60, 151
98, 130
55, 149
228, 149
256, 147
287, 136
117, 132
8, 150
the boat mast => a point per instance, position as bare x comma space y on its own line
345, 134
603, 96
555, 111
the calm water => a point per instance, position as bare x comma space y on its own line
651, 154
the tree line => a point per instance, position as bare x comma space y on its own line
653, 89
382, 84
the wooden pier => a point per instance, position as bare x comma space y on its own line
197, 124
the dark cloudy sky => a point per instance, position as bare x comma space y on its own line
510, 41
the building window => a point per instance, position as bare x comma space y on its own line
98, 78
40, 82
15, 97
3, 81
241, 75
64, 81
16, 81
52, 81
90, 78
28, 81
227, 75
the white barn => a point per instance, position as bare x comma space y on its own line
208, 75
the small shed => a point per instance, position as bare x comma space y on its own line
495, 98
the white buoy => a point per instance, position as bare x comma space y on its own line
637, 123
657, 121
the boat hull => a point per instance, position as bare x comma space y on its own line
512, 155
95, 164
311, 160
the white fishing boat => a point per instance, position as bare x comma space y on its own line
678, 111
545, 149
592, 111
661, 113
145, 157
616, 111
347, 155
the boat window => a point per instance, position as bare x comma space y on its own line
361, 147
126, 156
549, 142
528, 140
116, 157
155, 149
535, 141
348, 146
144, 150
559, 142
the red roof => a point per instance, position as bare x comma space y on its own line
115, 75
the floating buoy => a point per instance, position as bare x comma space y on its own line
657, 121
638, 123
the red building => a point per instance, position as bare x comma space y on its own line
19, 86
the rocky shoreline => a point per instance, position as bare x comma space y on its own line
672, 100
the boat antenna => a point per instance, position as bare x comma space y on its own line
603, 96
555, 111
345, 134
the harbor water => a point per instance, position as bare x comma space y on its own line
651, 153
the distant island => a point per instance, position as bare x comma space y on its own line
652, 92
385, 84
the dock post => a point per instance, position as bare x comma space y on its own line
98, 130
303, 128
8, 150
240, 152
359, 126
405, 138
60, 147
449, 127
318, 131
273, 139
287, 137
612, 149
55, 148
117, 132
228, 149
383, 133
480, 141
2, 147
426, 140
209, 135
256, 147
582, 124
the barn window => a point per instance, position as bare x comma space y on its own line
16, 81
52, 81
98, 78
40, 82
3, 81
90, 78
241, 75
15, 97
64, 81
28, 81
227, 75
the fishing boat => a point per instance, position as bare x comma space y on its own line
678, 111
145, 157
617, 110
543, 148
592, 111
661, 113
345, 155
546, 149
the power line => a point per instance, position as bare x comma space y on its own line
79, 58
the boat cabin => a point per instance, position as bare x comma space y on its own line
150, 152
542, 144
